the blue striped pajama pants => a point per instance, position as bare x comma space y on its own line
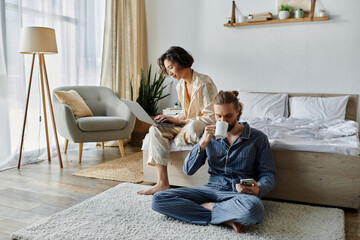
184, 204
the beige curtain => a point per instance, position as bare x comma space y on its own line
124, 51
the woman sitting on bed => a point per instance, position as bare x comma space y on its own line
196, 93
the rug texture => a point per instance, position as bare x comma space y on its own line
119, 213
125, 169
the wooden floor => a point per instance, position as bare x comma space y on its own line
40, 190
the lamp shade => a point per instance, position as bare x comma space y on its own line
37, 40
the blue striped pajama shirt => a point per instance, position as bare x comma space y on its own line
248, 157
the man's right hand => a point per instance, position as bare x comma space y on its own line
207, 136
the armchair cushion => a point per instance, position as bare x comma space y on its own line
100, 123
75, 102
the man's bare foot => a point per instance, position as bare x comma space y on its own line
236, 226
154, 189
208, 205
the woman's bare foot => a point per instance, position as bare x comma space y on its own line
236, 226
154, 189
208, 205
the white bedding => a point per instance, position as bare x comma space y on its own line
336, 136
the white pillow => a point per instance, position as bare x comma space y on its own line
263, 105
318, 108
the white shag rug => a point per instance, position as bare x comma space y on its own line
119, 213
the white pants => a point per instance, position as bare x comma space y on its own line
160, 137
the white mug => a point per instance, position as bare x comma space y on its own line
221, 129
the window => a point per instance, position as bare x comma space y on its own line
79, 33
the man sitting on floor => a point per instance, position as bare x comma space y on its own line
244, 153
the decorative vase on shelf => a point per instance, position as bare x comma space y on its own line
284, 14
299, 13
322, 13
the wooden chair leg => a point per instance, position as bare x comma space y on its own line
102, 145
121, 147
66, 145
80, 151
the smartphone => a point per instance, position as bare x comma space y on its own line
247, 181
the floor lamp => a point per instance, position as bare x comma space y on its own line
39, 41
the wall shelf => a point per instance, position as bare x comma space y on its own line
289, 20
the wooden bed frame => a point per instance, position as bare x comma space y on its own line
319, 178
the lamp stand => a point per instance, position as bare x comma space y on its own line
43, 75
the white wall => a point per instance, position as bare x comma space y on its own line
314, 57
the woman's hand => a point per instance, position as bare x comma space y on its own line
207, 136
253, 189
169, 119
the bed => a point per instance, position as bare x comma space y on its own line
308, 173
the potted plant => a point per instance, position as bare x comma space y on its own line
150, 92
284, 12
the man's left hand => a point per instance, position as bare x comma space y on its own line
253, 189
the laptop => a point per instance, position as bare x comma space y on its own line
142, 115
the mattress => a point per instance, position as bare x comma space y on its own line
336, 136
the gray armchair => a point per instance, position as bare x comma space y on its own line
112, 119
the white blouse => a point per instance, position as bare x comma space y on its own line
201, 104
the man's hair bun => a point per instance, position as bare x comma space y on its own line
236, 93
